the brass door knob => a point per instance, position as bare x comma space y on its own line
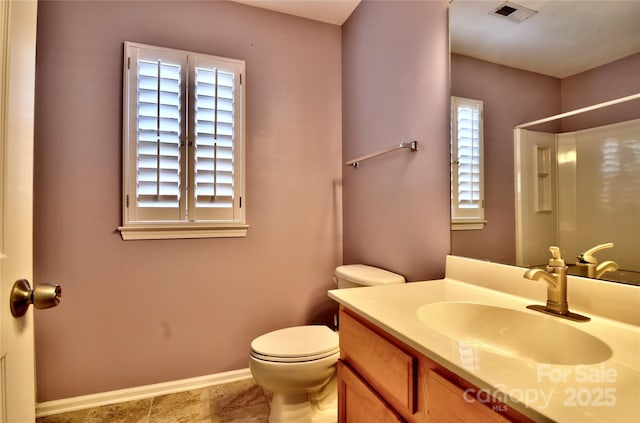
42, 296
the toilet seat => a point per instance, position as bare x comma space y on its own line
296, 344
276, 359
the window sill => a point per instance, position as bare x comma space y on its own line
468, 225
182, 230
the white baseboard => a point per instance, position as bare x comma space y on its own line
131, 394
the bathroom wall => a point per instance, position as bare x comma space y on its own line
511, 96
141, 312
396, 89
604, 83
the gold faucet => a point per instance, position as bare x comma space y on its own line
595, 270
604, 267
556, 278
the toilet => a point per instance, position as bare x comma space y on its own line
298, 364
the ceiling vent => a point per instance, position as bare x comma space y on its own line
513, 12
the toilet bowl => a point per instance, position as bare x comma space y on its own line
298, 364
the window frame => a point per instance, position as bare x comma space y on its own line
466, 218
178, 222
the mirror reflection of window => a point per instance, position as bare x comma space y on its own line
467, 193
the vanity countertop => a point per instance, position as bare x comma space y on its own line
608, 391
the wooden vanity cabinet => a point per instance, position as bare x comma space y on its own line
382, 380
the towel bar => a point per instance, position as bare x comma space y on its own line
413, 146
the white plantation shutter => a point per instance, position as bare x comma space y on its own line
214, 138
154, 132
467, 196
183, 143
158, 134
468, 152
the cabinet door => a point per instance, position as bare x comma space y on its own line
448, 403
385, 366
358, 403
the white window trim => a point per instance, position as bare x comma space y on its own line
467, 218
182, 230
148, 226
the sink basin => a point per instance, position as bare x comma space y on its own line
544, 339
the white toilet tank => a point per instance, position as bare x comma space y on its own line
357, 275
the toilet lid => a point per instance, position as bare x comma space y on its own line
299, 342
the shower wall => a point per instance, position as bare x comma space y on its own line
605, 203
597, 191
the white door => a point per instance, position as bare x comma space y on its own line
17, 77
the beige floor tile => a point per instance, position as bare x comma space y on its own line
126, 412
251, 414
183, 407
238, 402
269, 396
232, 396
73, 417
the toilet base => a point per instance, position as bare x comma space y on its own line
315, 407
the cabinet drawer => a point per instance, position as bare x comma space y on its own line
386, 367
357, 403
448, 403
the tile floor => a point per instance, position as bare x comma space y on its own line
236, 402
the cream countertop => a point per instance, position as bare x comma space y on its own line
604, 392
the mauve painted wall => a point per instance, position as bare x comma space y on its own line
511, 96
608, 82
395, 88
140, 312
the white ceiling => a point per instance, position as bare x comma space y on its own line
565, 37
329, 11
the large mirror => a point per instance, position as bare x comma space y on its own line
528, 60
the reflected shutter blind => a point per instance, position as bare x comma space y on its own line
159, 121
466, 151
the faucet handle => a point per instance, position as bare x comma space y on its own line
588, 256
556, 258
